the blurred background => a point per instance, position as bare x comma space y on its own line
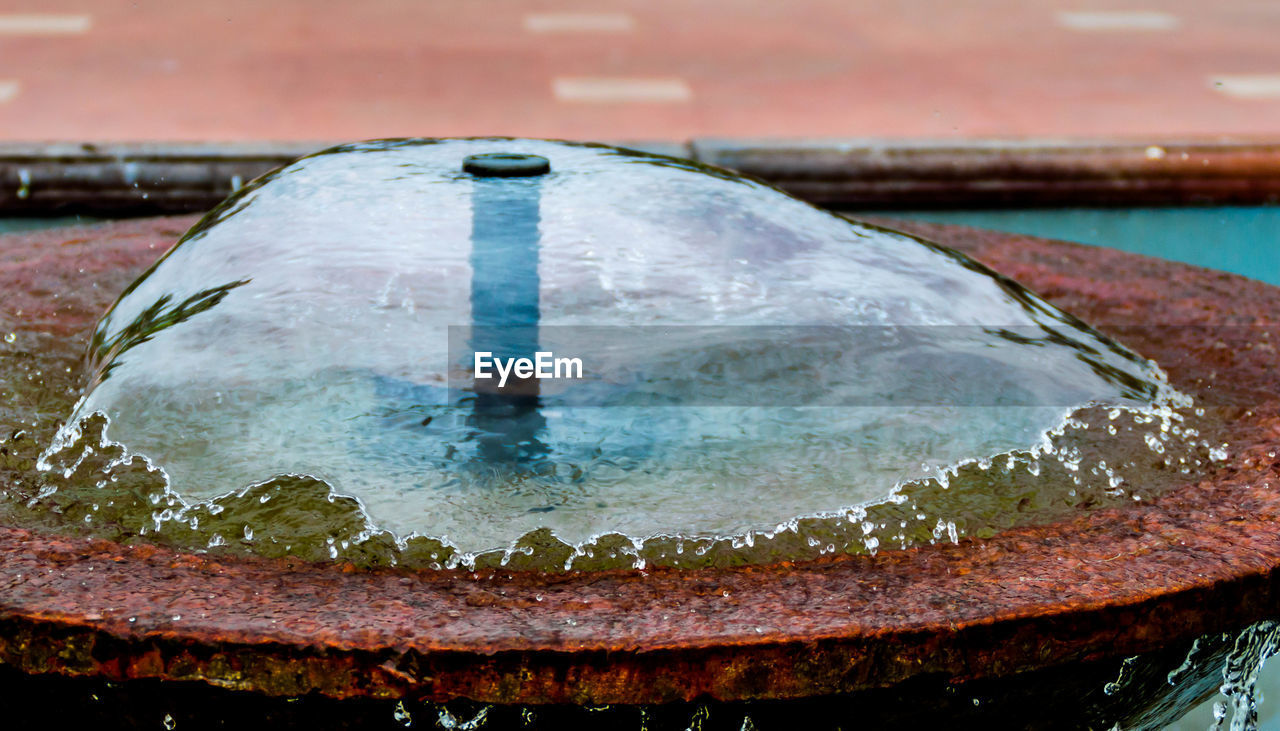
113, 70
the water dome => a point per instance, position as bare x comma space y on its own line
734, 360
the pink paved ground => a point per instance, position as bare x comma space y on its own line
306, 69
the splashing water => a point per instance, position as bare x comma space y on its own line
762, 380
1240, 676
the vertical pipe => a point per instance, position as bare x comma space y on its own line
505, 202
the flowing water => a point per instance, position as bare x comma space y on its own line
759, 380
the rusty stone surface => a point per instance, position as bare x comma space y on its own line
1197, 559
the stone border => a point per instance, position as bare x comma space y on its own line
120, 179
1200, 558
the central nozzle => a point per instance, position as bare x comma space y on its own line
505, 165
505, 305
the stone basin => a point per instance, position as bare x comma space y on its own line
1117, 581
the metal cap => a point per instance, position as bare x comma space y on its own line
505, 165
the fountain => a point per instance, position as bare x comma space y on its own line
910, 460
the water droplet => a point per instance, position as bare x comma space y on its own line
1155, 444
401, 715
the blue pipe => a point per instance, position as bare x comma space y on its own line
505, 214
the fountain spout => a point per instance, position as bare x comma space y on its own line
504, 301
